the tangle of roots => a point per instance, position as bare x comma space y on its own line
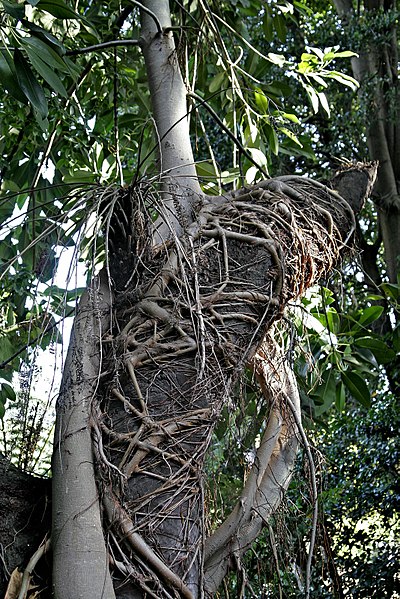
188, 316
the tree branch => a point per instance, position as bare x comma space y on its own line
103, 46
270, 474
150, 13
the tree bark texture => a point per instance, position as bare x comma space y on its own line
188, 317
24, 521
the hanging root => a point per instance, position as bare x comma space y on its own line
188, 316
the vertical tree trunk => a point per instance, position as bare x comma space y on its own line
180, 185
80, 560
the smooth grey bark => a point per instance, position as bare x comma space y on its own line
80, 561
180, 185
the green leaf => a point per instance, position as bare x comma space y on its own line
357, 387
47, 73
8, 392
391, 290
370, 314
272, 138
44, 35
345, 54
367, 356
290, 117
340, 397
261, 101
45, 53
280, 27
396, 339
325, 393
217, 82
268, 25
31, 88
8, 78
58, 9
278, 88
7, 349
15, 10
381, 351
291, 135
2, 409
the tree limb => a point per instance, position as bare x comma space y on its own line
270, 474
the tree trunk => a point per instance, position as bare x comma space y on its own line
377, 66
192, 300
180, 187
80, 561
24, 520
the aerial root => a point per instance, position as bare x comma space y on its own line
189, 316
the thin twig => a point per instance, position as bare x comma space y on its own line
103, 46
44, 547
229, 133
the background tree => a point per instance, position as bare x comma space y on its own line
153, 315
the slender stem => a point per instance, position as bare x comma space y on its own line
229, 133
103, 46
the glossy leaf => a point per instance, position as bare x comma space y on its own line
58, 9
8, 78
46, 53
44, 35
370, 314
325, 394
47, 73
357, 387
379, 348
12, 8
29, 85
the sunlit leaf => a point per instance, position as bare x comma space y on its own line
324, 103
278, 59
291, 135
58, 9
